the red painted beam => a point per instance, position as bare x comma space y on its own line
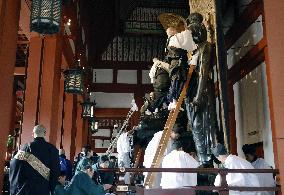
123, 65
111, 112
250, 61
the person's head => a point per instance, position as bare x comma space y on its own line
112, 159
61, 151
87, 152
62, 177
171, 31
39, 131
188, 142
152, 95
87, 167
176, 131
104, 161
178, 145
89, 170
250, 152
220, 152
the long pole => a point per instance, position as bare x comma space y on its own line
222, 72
39, 81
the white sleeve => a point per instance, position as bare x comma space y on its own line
194, 59
183, 40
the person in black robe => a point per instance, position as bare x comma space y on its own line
24, 179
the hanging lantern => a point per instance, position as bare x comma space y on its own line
73, 81
88, 109
46, 16
93, 125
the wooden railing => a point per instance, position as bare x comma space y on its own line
223, 189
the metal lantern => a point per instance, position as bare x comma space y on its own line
88, 109
73, 81
93, 125
46, 16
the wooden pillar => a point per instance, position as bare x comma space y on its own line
85, 134
42, 87
61, 108
80, 127
60, 113
232, 120
274, 63
69, 134
9, 22
51, 74
32, 82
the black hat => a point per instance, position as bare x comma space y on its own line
249, 149
178, 128
219, 150
104, 158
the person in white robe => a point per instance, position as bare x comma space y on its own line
178, 159
182, 40
152, 148
265, 179
235, 179
123, 154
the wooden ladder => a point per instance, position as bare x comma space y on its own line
167, 132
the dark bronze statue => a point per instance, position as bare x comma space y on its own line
200, 101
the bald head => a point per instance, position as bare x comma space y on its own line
39, 131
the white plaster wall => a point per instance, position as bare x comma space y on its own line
252, 112
112, 100
102, 75
127, 76
267, 132
247, 41
103, 133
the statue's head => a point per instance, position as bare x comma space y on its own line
194, 18
199, 32
195, 25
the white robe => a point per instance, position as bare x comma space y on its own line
178, 159
265, 179
239, 179
123, 149
150, 153
183, 40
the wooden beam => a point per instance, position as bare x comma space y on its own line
250, 61
67, 52
120, 88
111, 112
100, 150
123, 65
248, 17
